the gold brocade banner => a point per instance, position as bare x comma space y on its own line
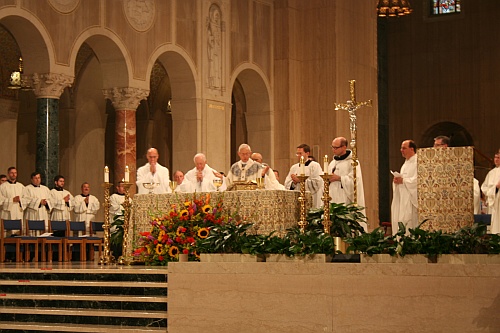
445, 187
268, 210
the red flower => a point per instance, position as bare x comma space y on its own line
185, 251
155, 241
145, 233
160, 258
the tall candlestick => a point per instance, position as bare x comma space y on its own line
325, 165
127, 174
302, 166
106, 174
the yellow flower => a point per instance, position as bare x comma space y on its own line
174, 251
203, 233
187, 203
179, 231
159, 248
160, 235
184, 212
206, 209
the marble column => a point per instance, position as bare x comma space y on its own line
48, 89
125, 101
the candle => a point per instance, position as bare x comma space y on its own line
302, 166
127, 174
325, 165
106, 174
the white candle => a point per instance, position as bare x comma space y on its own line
127, 174
106, 174
302, 166
325, 165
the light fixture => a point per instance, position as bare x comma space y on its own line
16, 79
393, 8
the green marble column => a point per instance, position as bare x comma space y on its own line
47, 139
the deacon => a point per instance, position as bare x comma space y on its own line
491, 184
36, 200
314, 183
61, 200
270, 181
404, 186
342, 177
86, 207
11, 193
153, 172
201, 177
245, 169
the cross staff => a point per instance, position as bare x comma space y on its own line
351, 106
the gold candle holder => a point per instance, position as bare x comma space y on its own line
107, 258
326, 203
302, 201
125, 258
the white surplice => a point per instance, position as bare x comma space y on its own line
404, 201
61, 211
11, 210
32, 196
191, 183
86, 212
489, 188
314, 183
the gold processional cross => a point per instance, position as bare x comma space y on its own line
351, 106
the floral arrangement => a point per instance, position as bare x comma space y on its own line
178, 230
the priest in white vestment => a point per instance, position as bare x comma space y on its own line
201, 177
404, 202
245, 169
342, 177
489, 186
36, 199
86, 207
61, 200
270, 181
153, 172
11, 193
314, 184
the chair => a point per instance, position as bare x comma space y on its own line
38, 227
93, 240
18, 241
59, 231
71, 239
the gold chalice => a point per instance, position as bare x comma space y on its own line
150, 186
173, 185
217, 183
260, 183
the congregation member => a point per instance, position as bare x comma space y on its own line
201, 177
245, 169
86, 207
491, 184
116, 201
314, 183
404, 186
36, 201
153, 172
342, 177
270, 181
11, 193
61, 200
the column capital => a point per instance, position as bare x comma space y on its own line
50, 85
126, 98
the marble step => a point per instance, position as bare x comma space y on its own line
83, 283
56, 327
88, 297
84, 312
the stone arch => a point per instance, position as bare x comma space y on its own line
259, 109
459, 136
185, 105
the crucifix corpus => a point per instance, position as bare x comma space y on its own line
352, 106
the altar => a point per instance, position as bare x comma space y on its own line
269, 210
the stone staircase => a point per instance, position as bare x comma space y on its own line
89, 298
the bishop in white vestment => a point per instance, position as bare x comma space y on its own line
201, 177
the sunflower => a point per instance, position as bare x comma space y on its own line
159, 248
174, 251
161, 234
184, 213
180, 231
203, 233
206, 209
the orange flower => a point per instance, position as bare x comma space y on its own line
174, 251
